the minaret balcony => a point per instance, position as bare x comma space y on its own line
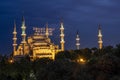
62, 41
23, 27
99, 35
77, 44
14, 32
23, 42
62, 35
14, 44
77, 39
23, 34
61, 28
14, 38
100, 41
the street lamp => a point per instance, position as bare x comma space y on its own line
81, 60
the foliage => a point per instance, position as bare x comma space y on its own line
99, 65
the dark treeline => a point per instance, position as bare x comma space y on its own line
97, 65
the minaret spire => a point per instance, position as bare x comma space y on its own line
23, 27
47, 32
100, 42
14, 39
62, 36
77, 41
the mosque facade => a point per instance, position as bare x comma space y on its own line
39, 44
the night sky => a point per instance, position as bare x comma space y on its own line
78, 15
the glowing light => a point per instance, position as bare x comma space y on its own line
82, 60
11, 61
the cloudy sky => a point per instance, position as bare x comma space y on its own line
78, 15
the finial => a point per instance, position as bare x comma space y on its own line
77, 32
46, 24
14, 25
99, 26
61, 20
23, 19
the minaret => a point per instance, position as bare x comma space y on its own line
14, 39
23, 27
77, 41
47, 32
62, 36
100, 42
